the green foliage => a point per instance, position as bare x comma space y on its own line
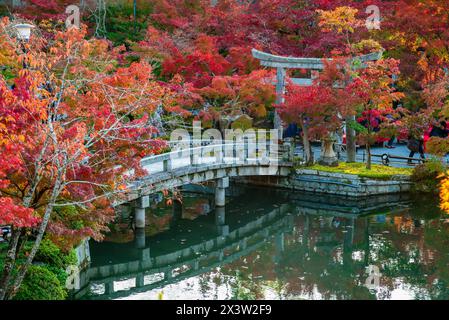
378, 172
3, 249
357, 127
50, 265
243, 122
69, 214
120, 25
7, 73
41, 284
426, 175
49, 253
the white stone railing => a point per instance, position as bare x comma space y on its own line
226, 152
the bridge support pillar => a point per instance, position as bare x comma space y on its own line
145, 254
139, 237
220, 192
280, 247
109, 287
140, 280
139, 211
222, 228
168, 274
177, 209
280, 242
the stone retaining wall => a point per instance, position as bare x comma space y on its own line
336, 183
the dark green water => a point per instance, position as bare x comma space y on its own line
277, 245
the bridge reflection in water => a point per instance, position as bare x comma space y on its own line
218, 239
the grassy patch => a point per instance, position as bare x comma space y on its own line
379, 172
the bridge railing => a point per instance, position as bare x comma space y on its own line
185, 154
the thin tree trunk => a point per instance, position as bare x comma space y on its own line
9, 263
12, 249
350, 141
368, 142
368, 156
40, 235
307, 147
46, 218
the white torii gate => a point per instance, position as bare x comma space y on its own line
282, 63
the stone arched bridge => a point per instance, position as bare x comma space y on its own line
190, 164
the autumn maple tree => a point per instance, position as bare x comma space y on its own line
371, 91
74, 124
312, 110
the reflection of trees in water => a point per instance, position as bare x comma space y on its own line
212, 281
319, 260
326, 257
416, 252
330, 259
254, 274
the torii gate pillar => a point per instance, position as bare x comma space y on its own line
280, 87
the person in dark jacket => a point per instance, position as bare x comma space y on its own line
415, 145
440, 131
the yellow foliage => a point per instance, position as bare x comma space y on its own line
341, 19
444, 194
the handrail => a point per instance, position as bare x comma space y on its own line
221, 148
386, 158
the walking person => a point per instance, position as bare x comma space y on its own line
415, 145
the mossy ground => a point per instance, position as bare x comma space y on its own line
379, 172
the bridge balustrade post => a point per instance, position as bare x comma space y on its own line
219, 153
235, 153
289, 150
245, 150
193, 157
168, 166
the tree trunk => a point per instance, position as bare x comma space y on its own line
9, 263
5, 293
46, 218
12, 253
350, 141
368, 156
307, 146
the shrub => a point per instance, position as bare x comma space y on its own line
51, 263
41, 284
426, 175
438, 146
377, 172
50, 254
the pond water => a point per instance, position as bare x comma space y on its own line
271, 244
